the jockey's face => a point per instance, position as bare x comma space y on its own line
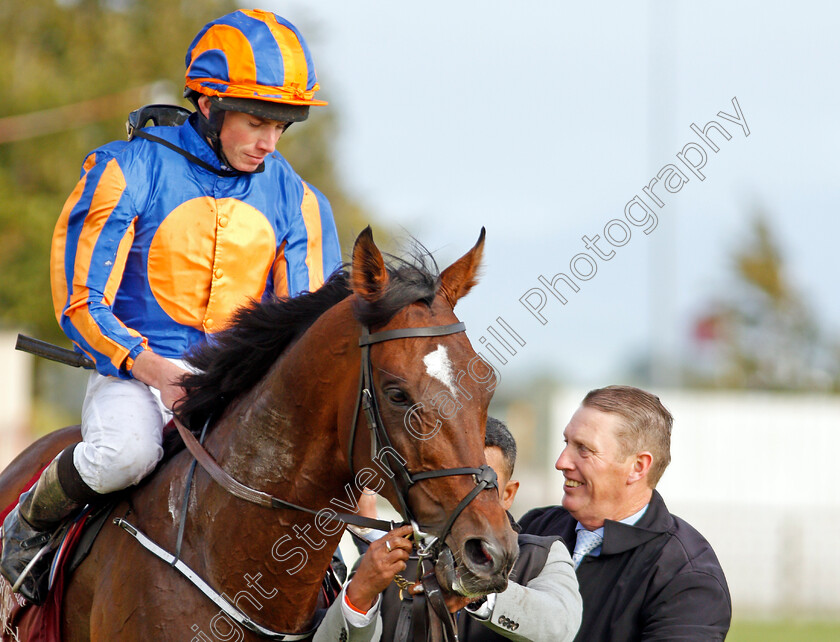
247, 139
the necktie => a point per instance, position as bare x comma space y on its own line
587, 541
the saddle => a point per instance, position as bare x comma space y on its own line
22, 621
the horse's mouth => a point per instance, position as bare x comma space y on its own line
476, 575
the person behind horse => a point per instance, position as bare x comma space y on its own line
644, 573
541, 601
162, 239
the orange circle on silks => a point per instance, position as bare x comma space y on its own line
209, 257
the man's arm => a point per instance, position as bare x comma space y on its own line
693, 606
336, 623
356, 611
548, 608
160, 373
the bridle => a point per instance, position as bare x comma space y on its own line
429, 546
402, 479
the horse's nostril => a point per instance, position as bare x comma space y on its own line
479, 553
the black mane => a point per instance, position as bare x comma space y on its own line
238, 357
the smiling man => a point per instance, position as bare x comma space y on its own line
541, 602
644, 573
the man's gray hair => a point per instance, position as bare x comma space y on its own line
646, 424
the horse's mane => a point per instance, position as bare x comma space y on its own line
239, 356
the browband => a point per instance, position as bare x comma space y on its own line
404, 333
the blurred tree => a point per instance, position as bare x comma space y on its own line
104, 54
764, 334
72, 70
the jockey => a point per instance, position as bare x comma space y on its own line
162, 239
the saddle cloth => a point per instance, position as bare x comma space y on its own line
21, 621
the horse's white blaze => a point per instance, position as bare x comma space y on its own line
439, 367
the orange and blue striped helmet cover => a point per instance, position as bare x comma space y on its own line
252, 54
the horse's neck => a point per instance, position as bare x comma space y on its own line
285, 430
277, 434
282, 439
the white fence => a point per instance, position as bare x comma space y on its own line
15, 398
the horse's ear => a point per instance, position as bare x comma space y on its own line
460, 277
368, 275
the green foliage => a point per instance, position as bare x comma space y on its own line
57, 54
784, 631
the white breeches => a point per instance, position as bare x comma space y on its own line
122, 427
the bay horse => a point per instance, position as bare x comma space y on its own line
282, 387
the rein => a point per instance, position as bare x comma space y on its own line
485, 477
237, 489
428, 546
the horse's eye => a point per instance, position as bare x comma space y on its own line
396, 396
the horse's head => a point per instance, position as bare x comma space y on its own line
431, 394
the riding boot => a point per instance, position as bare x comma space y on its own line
29, 527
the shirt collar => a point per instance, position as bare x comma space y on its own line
193, 142
630, 521
656, 520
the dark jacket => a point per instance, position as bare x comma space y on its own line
656, 580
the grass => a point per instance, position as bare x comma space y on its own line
784, 631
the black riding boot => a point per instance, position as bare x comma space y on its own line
29, 527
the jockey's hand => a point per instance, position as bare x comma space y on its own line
378, 567
157, 372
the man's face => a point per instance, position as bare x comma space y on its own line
507, 487
247, 140
596, 486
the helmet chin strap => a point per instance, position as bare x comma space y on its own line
211, 129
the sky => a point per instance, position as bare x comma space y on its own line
541, 120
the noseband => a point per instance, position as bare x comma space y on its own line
380, 442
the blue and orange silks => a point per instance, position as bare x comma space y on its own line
152, 251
